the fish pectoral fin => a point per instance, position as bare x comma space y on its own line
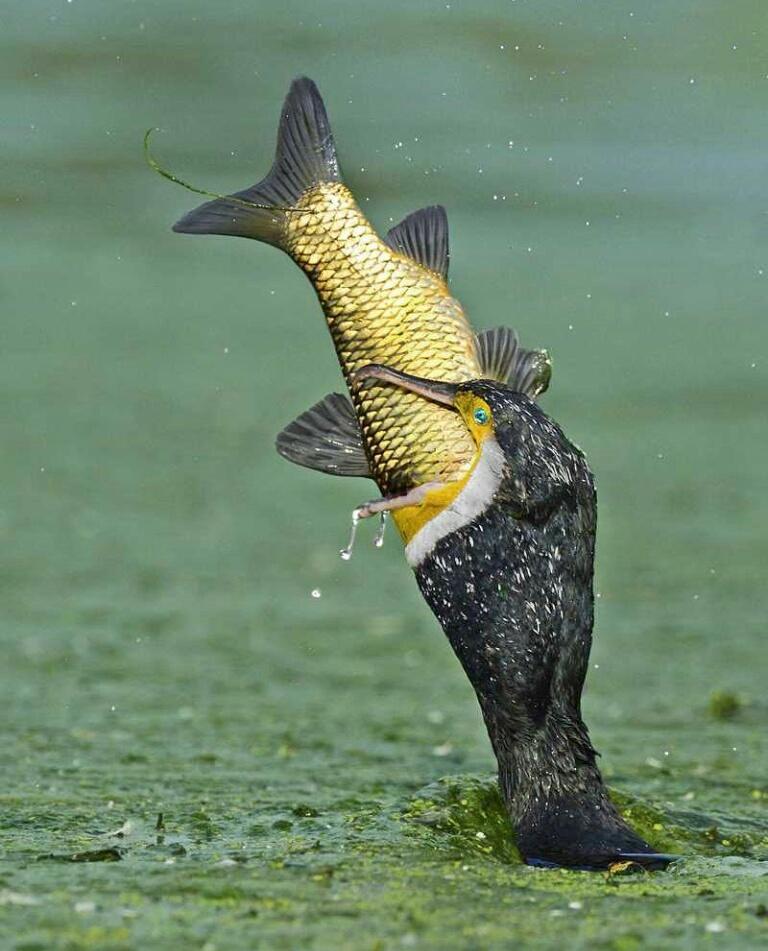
423, 237
326, 437
502, 358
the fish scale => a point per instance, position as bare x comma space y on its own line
384, 301
381, 307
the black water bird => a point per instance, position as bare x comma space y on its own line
508, 572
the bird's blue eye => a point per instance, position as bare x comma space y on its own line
481, 416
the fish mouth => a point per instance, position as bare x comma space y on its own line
437, 392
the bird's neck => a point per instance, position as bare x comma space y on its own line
515, 600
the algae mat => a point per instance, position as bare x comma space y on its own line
217, 735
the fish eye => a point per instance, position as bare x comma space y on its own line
481, 416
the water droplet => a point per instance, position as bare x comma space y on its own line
378, 540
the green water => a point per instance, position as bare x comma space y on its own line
320, 764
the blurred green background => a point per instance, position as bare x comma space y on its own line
604, 169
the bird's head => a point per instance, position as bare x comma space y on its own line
540, 466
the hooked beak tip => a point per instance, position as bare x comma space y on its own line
368, 372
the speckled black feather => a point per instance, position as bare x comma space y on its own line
513, 592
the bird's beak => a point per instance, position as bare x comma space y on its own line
444, 393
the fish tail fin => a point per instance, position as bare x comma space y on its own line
306, 156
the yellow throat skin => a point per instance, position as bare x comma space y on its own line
411, 519
383, 307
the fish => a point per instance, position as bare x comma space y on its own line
386, 301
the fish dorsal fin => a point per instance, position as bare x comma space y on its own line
496, 351
502, 358
423, 236
327, 438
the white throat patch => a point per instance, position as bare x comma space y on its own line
472, 501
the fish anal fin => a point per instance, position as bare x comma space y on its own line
327, 438
502, 358
423, 237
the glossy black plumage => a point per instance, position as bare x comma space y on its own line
513, 592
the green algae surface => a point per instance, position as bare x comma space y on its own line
215, 734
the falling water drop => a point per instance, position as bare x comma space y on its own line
378, 541
346, 553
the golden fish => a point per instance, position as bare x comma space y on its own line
385, 302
